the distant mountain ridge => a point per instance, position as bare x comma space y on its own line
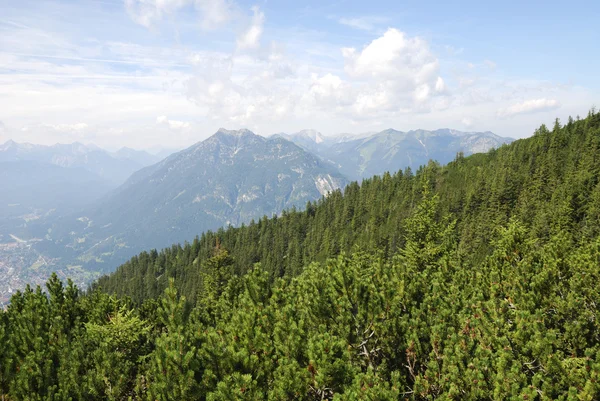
29, 186
361, 156
113, 167
230, 178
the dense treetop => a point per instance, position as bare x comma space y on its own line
472, 281
548, 182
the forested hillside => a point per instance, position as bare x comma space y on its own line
548, 182
471, 281
229, 178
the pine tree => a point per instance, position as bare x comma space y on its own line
173, 366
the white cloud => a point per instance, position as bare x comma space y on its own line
490, 64
213, 13
53, 133
250, 38
422, 93
393, 56
367, 104
3, 133
172, 124
328, 92
453, 51
382, 80
529, 106
149, 12
465, 82
67, 127
365, 23
440, 85
391, 77
467, 122
395, 80
395, 72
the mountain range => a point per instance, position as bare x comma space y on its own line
61, 178
231, 178
362, 156
113, 167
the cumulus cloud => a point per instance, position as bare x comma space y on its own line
250, 38
404, 65
393, 74
529, 106
393, 55
394, 79
327, 92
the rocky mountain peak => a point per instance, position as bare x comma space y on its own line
312, 135
235, 133
8, 144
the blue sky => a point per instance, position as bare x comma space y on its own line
167, 73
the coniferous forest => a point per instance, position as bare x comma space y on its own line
478, 280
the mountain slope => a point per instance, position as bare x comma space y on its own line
475, 280
228, 179
140, 157
551, 182
309, 139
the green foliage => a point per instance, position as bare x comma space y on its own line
478, 280
173, 364
116, 347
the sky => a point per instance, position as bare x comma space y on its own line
164, 74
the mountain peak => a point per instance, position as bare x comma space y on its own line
8, 144
311, 134
75, 148
390, 134
112, 167
237, 133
